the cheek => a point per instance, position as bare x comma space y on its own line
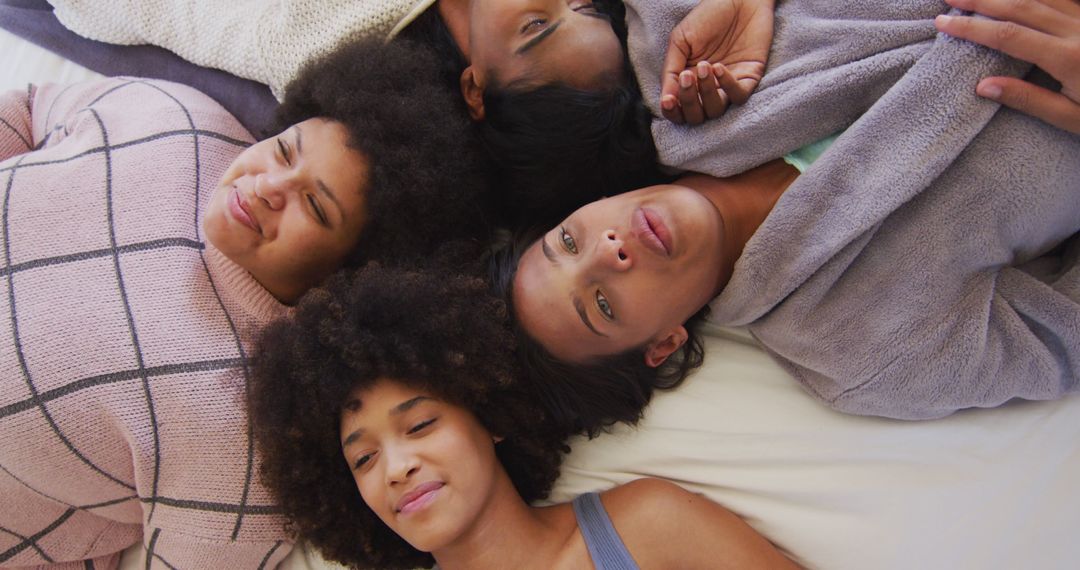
373, 497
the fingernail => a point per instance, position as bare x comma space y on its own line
667, 102
942, 20
686, 79
703, 69
989, 91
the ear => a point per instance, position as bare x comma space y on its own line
472, 89
659, 350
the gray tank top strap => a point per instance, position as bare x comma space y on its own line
605, 547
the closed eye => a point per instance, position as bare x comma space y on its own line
420, 426
318, 211
285, 152
362, 460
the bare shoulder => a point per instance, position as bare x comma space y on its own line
664, 525
644, 495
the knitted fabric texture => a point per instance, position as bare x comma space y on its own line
265, 41
124, 334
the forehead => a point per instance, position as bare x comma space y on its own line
324, 144
379, 399
583, 51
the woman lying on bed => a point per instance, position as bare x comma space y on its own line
397, 442
916, 268
145, 240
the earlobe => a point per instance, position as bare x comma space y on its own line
472, 89
658, 351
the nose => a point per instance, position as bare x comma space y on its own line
612, 253
401, 465
273, 188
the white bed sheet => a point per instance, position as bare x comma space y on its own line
981, 489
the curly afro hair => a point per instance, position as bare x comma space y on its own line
440, 333
429, 179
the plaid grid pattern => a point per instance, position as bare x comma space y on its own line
123, 335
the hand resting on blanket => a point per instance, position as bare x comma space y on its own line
1043, 32
716, 56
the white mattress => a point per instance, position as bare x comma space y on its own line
981, 489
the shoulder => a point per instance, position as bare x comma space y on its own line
644, 495
646, 510
665, 526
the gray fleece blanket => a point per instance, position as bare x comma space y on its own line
929, 261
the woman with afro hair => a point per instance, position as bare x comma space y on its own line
147, 237
394, 433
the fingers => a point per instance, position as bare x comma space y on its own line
1016, 40
1054, 108
736, 92
704, 92
713, 99
1049, 16
674, 64
689, 98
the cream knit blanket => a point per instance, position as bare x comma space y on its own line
266, 41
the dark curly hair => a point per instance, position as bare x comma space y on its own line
589, 397
555, 147
429, 179
441, 333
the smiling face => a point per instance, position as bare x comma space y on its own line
290, 208
621, 273
540, 42
425, 467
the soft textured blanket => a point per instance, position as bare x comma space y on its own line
928, 261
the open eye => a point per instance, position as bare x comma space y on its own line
284, 150
533, 24
568, 241
604, 306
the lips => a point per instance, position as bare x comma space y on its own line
239, 210
650, 228
418, 498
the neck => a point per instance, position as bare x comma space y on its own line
524, 535
455, 13
743, 202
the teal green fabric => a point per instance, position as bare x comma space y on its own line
802, 158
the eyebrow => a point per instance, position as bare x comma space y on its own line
579, 306
318, 182
395, 411
539, 37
